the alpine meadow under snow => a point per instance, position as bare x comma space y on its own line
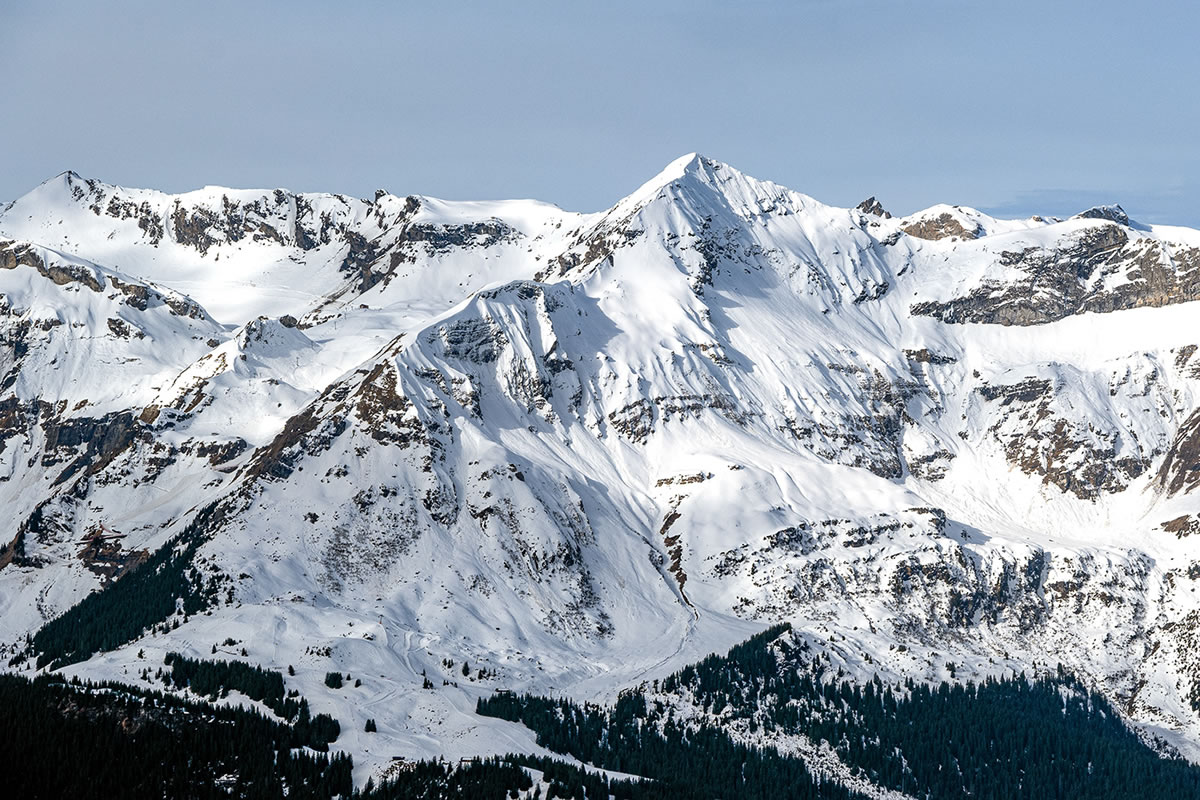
502, 446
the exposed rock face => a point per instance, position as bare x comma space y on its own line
377, 260
1180, 469
942, 226
1111, 213
148, 220
13, 551
1182, 526
1099, 269
925, 356
102, 555
435, 239
17, 254
934, 582
595, 247
1040, 435
873, 207
201, 228
101, 440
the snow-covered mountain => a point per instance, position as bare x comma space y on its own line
578, 451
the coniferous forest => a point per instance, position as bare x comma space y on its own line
124, 610
215, 679
1013, 738
1018, 737
60, 740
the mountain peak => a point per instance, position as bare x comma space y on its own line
1112, 213
694, 175
63, 181
690, 164
873, 206
687, 163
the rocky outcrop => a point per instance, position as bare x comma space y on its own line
101, 440
1100, 269
1180, 468
201, 227
873, 207
18, 254
943, 226
1111, 213
1076, 455
148, 218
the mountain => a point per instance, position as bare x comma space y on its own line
504, 446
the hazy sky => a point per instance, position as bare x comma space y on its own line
1021, 107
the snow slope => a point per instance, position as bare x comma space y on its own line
580, 451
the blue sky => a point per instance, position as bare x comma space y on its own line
1018, 107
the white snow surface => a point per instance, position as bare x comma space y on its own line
583, 450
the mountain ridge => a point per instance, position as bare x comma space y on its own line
579, 451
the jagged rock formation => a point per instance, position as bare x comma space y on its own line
874, 207
1098, 269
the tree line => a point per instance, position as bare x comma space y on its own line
84, 740
215, 679
125, 609
1018, 737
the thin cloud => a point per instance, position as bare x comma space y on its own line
1172, 206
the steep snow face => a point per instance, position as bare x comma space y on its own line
579, 451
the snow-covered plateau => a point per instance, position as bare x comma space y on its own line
569, 453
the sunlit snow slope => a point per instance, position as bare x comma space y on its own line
579, 451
